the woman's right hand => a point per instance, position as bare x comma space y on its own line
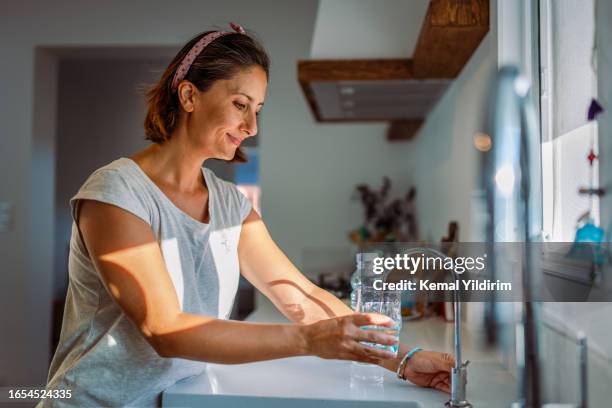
340, 337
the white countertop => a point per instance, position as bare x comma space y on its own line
310, 381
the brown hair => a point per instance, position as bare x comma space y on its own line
221, 59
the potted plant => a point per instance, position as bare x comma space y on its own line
385, 219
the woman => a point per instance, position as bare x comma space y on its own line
158, 243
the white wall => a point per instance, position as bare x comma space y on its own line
367, 29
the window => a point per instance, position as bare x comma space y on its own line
568, 83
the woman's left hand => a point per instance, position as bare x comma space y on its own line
430, 369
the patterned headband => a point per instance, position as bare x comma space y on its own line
185, 64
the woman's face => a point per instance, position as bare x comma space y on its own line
225, 115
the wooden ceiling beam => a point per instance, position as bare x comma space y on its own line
451, 32
354, 70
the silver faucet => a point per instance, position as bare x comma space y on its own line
459, 371
513, 212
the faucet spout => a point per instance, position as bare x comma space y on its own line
458, 387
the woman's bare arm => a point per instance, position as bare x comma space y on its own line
129, 261
266, 266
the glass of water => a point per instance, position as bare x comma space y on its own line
387, 303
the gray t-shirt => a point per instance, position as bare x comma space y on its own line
102, 357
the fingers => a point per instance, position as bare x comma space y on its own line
444, 362
372, 336
366, 319
443, 386
441, 381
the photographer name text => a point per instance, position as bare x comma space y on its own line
425, 284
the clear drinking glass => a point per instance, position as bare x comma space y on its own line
387, 303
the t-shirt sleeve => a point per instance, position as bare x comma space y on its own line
234, 202
244, 204
111, 187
